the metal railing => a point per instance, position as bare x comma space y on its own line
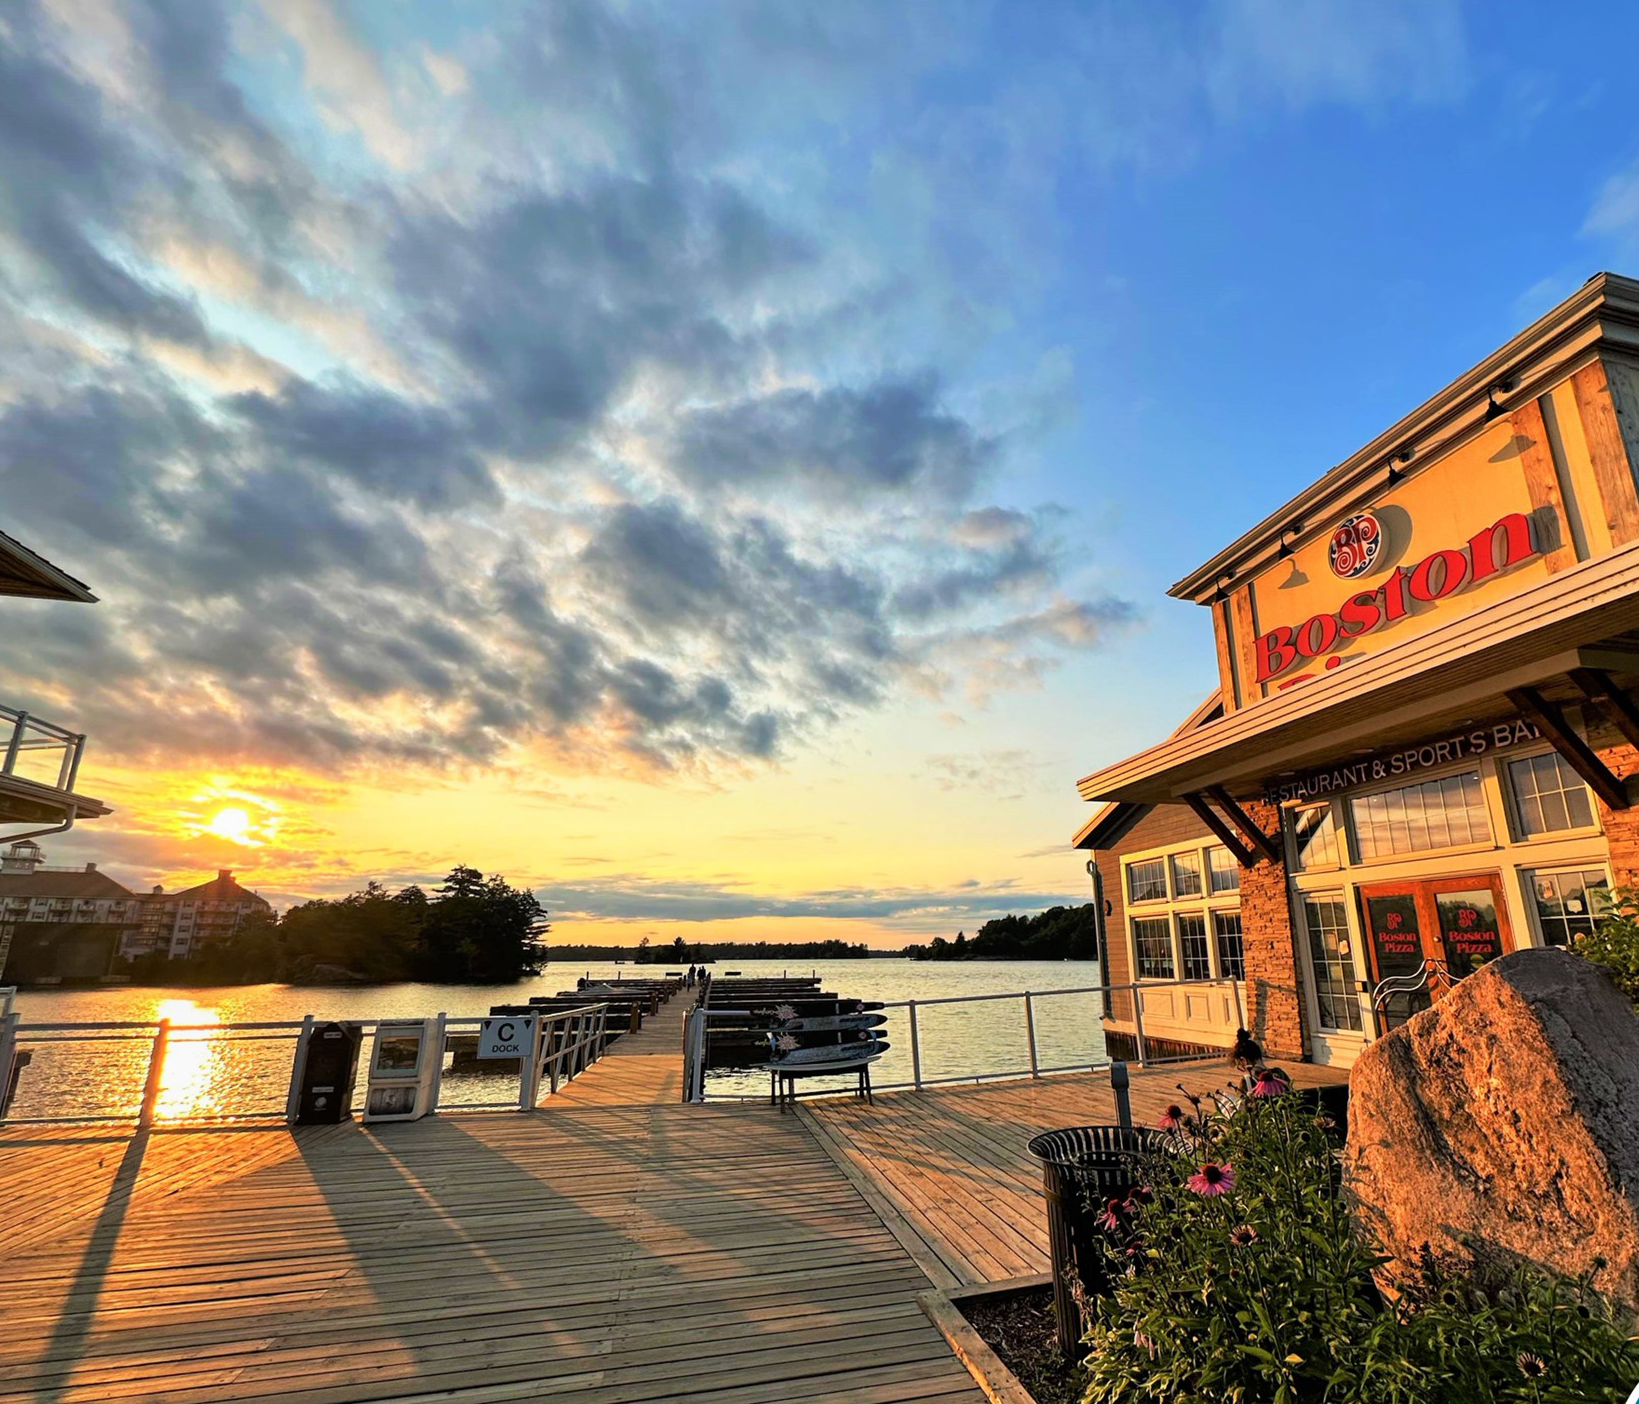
144, 1073
30, 735
1033, 1055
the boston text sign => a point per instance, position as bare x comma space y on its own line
1405, 760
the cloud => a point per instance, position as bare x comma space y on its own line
625, 897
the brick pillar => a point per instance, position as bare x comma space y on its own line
1621, 826
1275, 1005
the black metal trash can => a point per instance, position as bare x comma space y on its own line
1081, 1168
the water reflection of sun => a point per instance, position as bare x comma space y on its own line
191, 1057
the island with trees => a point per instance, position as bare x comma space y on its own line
1059, 933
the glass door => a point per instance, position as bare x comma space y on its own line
1446, 928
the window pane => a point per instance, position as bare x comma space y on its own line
1225, 872
1152, 945
1549, 796
1147, 881
1568, 903
1192, 945
1186, 875
1333, 965
1227, 927
1314, 829
1415, 818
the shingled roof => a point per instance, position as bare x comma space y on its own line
26, 573
78, 883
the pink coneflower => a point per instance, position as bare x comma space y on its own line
1110, 1219
1212, 1179
1243, 1236
1171, 1119
1271, 1082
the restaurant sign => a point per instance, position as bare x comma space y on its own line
1401, 761
1352, 551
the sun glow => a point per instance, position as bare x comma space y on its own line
233, 824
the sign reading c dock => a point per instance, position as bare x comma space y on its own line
506, 1038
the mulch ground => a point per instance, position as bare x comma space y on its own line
1019, 1328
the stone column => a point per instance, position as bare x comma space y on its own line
1621, 826
1276, 1009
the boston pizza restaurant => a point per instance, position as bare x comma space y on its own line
1420, 750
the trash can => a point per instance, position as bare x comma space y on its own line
329, 1065
1081, 1168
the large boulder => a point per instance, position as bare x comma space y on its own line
1502, 1125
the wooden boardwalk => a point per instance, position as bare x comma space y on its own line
612, 1248
948, 1168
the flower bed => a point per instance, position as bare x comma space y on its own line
1240, 1278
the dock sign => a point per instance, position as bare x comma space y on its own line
506, 1037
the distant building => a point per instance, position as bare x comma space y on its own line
179, 923
61, 923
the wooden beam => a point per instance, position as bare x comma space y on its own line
1269, 847
1601, 689
1226, 835
1552, 723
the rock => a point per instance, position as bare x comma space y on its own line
1502, 1125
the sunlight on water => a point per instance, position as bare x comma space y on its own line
191, 1058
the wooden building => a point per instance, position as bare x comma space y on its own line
1421, 751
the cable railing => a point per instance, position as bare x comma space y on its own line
991, 1037
146, 1073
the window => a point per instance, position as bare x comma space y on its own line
1223, 872
1152, 943
1147, 881
1333, 966
1314, 834
1568, 902
1186, 874
1435, 814
1549, 797
1227, 927
1192, 945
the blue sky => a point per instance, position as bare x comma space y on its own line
719, 463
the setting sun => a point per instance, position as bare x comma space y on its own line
233, 824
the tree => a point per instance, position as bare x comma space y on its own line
481, 929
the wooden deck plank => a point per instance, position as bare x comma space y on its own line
614, 1247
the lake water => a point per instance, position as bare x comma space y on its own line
207, 1075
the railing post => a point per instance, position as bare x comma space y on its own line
1030, 1032
1138, 1026
16, 744
156, 1067
1118, 1086
916, 1051
298, 1065
8, 1054
440, 1046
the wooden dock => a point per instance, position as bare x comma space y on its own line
614, 1247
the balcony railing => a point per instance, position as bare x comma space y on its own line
38, 751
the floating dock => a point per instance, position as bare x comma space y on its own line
612, 1247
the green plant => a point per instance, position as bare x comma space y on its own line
1613, 944
1240, 1279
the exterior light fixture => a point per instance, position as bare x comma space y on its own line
1494, 411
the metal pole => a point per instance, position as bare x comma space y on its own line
440, 1043
8, 1054
1235, 994
156, 1066
1030, 1032
298, 1066
1118, 1085
16, 743
1138, 1027
916, 1051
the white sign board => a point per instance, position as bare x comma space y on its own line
506, 1037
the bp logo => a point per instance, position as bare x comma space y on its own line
1354, 545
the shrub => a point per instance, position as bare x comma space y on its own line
1241, 1279
1613, 944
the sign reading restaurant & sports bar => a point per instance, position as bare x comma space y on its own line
1487, 553
1405, 760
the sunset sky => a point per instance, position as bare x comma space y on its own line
718, 465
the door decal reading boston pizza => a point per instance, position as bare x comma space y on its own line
1498, 548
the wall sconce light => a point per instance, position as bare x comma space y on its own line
1398, 464
1294, 530
1493, 410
